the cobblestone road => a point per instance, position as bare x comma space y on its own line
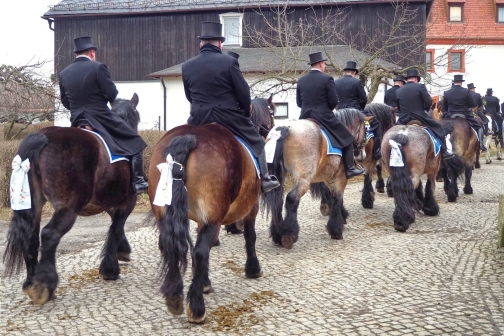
444, 276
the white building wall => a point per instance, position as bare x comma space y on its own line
482, 67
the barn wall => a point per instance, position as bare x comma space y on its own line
135, 46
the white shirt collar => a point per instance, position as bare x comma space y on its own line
315, 69
84, 56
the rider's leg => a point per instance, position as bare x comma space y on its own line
481, 140
267, 183
348, 161
139, 183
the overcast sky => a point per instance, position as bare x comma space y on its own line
24, 36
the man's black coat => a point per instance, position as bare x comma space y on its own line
390, 96
412, 101
85, 88
317, 98
351, 93
458, 100
217, 91
479, 104
492, 107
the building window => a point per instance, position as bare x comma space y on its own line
232, 28
455, 13
500, 13
281, 110
456, 61
429, 60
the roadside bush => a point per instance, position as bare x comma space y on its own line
151, 138
7, 151
4, 129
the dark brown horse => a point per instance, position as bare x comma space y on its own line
71, 169
215, 183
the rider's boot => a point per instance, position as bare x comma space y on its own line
480, 136
139, 183
444, 152
268, 182
377, 148
348, 161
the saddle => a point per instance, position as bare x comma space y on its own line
84, 123
414, 123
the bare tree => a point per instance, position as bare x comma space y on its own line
26, 96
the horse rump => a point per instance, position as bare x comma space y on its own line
174, 236
23, 223
405, 198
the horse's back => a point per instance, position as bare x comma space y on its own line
220, 174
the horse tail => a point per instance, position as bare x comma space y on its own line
24, 222
273, 199
404, 196
174, 237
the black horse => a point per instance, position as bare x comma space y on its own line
71, 169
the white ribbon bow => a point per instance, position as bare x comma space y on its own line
164, 190
270, 147
19, 186
395, 155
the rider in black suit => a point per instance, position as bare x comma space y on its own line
351, 94
390, 95
316, 96
412, 102
217, 91
479, 107
85, 89
492, 107
459, 100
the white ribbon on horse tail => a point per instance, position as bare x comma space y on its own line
270, 147
19, 186
396, 159
449, 146
164, 190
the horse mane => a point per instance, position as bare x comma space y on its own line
348, 115
382, 113
261, 110
124, 109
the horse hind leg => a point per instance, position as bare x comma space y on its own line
419, 191
468, 175
429, 205
195, 307
380, 185
289, 228
45, 279
367, 198
390, 190
252, 267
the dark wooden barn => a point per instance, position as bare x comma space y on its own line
137, 38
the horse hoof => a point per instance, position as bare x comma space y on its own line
488, 162
324, 209
111, 277
498, 159
175, 304
121, 256
208, 290
217, 243
337, 237
380, 190
468, 191
192, 319
287, 242
400, 228
254, 276
38, 293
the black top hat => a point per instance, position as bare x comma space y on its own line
471, 86
399, 78
83, 43
458, 78
233, 54
211, 31
412, 73
351, 65
489, 91
316, 58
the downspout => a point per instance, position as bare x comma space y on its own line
50, 22
164, 102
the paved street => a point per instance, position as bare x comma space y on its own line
444, 276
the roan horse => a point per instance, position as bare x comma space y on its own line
71, 169
465, 144
214, 183
301, 151
499, 143
262, 112
417, 152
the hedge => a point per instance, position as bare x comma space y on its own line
4, 128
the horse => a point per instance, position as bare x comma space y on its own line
301, 151
386, 118
262, 112
418, 157
215, 183
492, 126
70, 169
465, 144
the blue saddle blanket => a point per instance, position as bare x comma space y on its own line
369, 135
113, 158
249, 150
330, 148
435, 141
